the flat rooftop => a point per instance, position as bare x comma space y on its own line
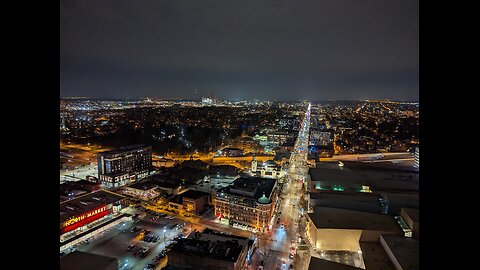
86, 203
413, 213
397, 201
144, 185
125, 149
214, 246
334, 173
317, 264
223, 170
336, 218
253, 187
193, 194
79, 260
405, 250
359, 201
378, 179
375, 257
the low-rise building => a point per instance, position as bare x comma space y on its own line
82, 260
231, 152
207, 251
144, 190
411, 217
341, 229
190, 201
317, 264
88, 215
402, 251
164, 163
268, 169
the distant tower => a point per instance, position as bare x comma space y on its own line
416, 158
254, 164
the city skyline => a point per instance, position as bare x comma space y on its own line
326, 50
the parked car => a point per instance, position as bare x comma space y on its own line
131, 247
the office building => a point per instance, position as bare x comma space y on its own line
123, 166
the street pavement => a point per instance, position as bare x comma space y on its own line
275, 246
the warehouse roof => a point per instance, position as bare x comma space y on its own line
335, 218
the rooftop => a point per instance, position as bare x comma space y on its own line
334, 173
317, 263
377, 178
194, 162
223, 170
193, 194
412, 213
86, 203
253, 187
375, 257
405, 250
368, 202
263, 200
144, 185
123, 149
336, 218
280, 155
214, 246
231, 149
79, 260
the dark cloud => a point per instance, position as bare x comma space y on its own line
240, 49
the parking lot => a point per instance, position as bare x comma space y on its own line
139, 243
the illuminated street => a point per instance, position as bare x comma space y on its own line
275, 246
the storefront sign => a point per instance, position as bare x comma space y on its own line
76, 219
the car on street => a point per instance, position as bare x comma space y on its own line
149, 266
131, 247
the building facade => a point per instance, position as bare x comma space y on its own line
341, 229
190, 201
87, 215
128, 164
144, 191
247, 202
268, 169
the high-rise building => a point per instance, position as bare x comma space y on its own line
247, 202
416, 158
125, 165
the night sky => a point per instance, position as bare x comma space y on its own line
268, 49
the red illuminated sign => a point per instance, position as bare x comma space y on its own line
81, 220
